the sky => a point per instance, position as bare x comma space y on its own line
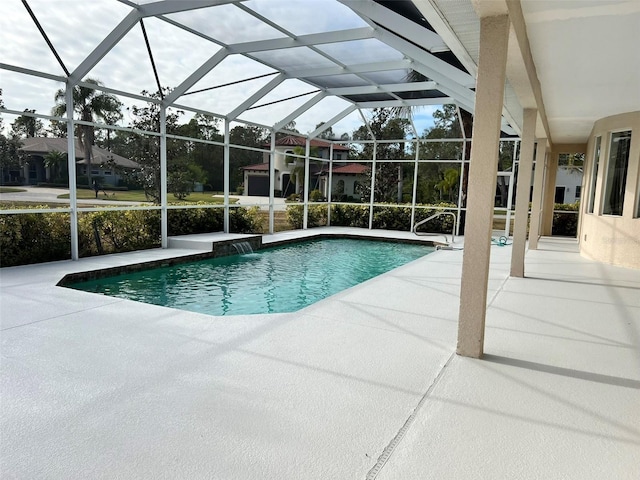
76, 27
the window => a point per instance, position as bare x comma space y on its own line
594, 175
617, 173
107, 173
578, 192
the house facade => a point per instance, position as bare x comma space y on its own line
345, 182
609, 229
34, 170
289, 169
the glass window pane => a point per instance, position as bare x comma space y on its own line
594, 175
617, 173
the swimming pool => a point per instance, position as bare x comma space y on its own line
272, 280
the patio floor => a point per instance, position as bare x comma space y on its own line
364, 384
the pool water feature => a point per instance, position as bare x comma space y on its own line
271, 280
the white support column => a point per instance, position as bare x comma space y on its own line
373, 183
164, 217
522, 195
225, 174
305, 187
460, 184
494, 34
71, 165
536, 202
549, 196
329, 186
272, 180
512, 182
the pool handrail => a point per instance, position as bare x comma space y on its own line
435, 215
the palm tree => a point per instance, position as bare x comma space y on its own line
91, 105
54, 160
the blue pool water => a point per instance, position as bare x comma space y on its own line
279, 279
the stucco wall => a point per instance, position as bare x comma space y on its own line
607, 238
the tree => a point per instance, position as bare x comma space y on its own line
389, 176
289, 127
447, 186
247, 136
90, 105
145, 149
436, 180
182, 173
206, 157
296, 174
26, 126
55, 161
10, 155
326, 134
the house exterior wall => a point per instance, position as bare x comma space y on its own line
571, 179
613, 239
349, 185
283, 167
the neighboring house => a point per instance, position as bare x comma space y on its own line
344, 179
289, 171
568, 184
37, 148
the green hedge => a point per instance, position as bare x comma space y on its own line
34, 238
565, 224
384, 217
45, 237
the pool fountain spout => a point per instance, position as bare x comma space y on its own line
243, 247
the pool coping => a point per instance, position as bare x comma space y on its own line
224, 247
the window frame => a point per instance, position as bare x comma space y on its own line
593, 179
608, 188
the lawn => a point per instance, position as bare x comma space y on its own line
138, 196
11, 190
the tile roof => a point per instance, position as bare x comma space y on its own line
45, 145
294, 141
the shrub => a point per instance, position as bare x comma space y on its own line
350, 215
195, 220
45, 237
245, 220
384, 217
118, 231
316, 217
316, 196
565, 224
34, 237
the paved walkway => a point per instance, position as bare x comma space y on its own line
364, 384
262, 202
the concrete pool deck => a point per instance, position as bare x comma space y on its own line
364, 384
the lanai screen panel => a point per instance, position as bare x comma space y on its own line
329, 45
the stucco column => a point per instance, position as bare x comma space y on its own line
549, 194
536, 201
522, 194
494, 33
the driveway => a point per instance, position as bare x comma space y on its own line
262, 202
50, 195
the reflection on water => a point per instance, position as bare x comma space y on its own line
281, 279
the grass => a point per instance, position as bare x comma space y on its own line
11, 190
138, 196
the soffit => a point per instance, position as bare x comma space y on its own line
587, 61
